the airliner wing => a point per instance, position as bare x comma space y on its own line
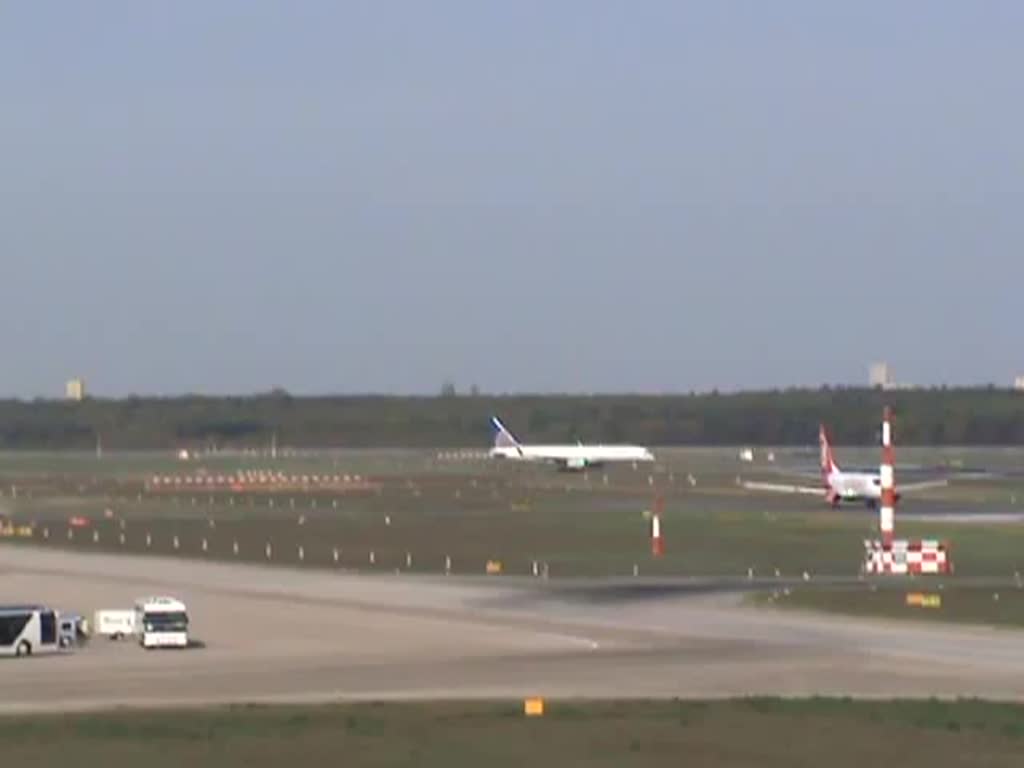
782, 488
921, 486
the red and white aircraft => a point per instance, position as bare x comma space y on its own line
838, 485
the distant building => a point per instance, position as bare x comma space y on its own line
1018, 383
879, 375
75, 390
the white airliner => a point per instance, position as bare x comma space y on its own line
839, 486
568, 457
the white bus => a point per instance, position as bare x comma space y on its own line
161, 622
28, 629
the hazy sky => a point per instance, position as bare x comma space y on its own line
533, 195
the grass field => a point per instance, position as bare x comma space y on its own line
761, 732
426, 512
576, 533
999, 606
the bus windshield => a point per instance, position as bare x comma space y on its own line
165, 621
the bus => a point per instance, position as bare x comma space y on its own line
161, 622
28, 629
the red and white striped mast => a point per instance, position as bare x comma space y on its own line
887, 505
657, 545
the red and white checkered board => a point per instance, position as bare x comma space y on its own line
907, 557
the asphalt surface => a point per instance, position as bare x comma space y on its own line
278, 635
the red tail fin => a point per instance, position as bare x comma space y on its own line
828, 462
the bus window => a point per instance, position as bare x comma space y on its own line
47, 628
11, 627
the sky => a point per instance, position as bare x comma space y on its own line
578, 196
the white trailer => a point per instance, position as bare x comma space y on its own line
161, 622
114, 624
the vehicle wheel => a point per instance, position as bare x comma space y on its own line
24, 649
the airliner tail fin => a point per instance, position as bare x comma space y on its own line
828, 461
502, 437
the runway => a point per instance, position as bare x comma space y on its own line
281, 635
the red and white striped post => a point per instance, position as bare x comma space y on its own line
887, 506
657, 546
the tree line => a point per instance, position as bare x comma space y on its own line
979, 416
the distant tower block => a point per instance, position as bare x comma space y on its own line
74, 390
879, 375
